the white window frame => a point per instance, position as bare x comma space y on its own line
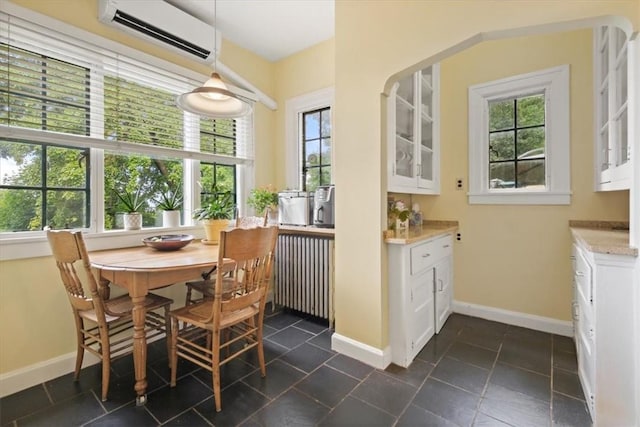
294, 109
554, 83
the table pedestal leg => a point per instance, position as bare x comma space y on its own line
139, 349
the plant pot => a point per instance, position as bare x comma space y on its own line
171, 219
213, 227
273, 217
132, 221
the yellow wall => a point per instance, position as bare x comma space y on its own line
516, 257
370, 47
36, 323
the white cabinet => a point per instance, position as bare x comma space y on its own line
613, 146
413, 134
606, 332
420, 294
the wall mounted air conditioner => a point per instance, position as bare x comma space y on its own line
163, 24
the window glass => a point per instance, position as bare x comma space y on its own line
144, 177
218, 136
216, 179
43, 185
43, 93
316, 148
142, 114
517, 142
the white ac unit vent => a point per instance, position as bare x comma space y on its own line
163, 24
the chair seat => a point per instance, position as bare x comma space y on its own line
197, 314
205, 287
124, 305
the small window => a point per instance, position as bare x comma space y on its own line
519, 139
316, 148
309, 153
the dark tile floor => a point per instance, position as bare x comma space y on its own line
475, 372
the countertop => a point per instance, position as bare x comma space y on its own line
308, 230
605, 237
429, 229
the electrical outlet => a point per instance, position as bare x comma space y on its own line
459, 183
459, 237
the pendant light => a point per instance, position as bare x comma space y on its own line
213, 98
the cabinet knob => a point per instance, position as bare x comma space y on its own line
445, 246
579, 274
426, 255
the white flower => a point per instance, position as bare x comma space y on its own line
400, 206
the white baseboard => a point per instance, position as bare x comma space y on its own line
375, 357
538, 323
23, 378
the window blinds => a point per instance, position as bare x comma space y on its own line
79, 93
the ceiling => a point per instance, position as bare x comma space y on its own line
272, 29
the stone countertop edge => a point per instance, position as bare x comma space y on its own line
430, 229
605, 237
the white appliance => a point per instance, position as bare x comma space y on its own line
295, 208
163, 24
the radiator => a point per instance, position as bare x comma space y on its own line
304, 274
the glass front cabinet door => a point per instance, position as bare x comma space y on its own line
613, 148
413, 140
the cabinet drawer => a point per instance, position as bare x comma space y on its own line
426, 254
422, 257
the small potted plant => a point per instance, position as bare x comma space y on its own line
133, 206
263, 198
398, 217
215, 214
170, 202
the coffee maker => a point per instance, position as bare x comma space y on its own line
324, 206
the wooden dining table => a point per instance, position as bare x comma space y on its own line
140, 269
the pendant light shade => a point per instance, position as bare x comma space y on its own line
214, 99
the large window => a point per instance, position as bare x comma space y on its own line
519, 139
85, 123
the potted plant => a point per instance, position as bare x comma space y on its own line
398, 218
170, 202
215, 214
133, 205
263, 198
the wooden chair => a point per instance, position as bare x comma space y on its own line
204, 287
102, 325
232, 320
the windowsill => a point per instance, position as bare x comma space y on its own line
519, 198
36, 245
